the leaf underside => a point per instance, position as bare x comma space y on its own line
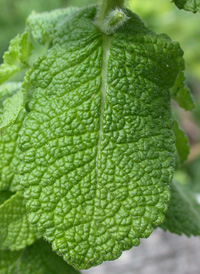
182, 145
35, 259
189, 5
97, 147
183, 215
181, 93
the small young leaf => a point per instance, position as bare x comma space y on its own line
189, 5
181, 93
182, 145
183, 215
15, 230
16, 58
97, 144
35, 259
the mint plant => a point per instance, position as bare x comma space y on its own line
88, 143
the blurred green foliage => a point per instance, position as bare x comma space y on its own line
189, 175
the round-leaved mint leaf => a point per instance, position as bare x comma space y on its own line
98, 150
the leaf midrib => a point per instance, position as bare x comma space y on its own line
106, 53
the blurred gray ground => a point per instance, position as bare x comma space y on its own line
161, 253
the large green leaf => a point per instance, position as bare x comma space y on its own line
15, 230
189, 5
98, 147
183, 215
35, 259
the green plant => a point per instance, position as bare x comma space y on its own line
88, 143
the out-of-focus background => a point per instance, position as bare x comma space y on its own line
163, 252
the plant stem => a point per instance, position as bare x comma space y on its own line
106, 7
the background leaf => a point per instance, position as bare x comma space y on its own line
181, 93
189, 5
182, 145
183, 215
35, 259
